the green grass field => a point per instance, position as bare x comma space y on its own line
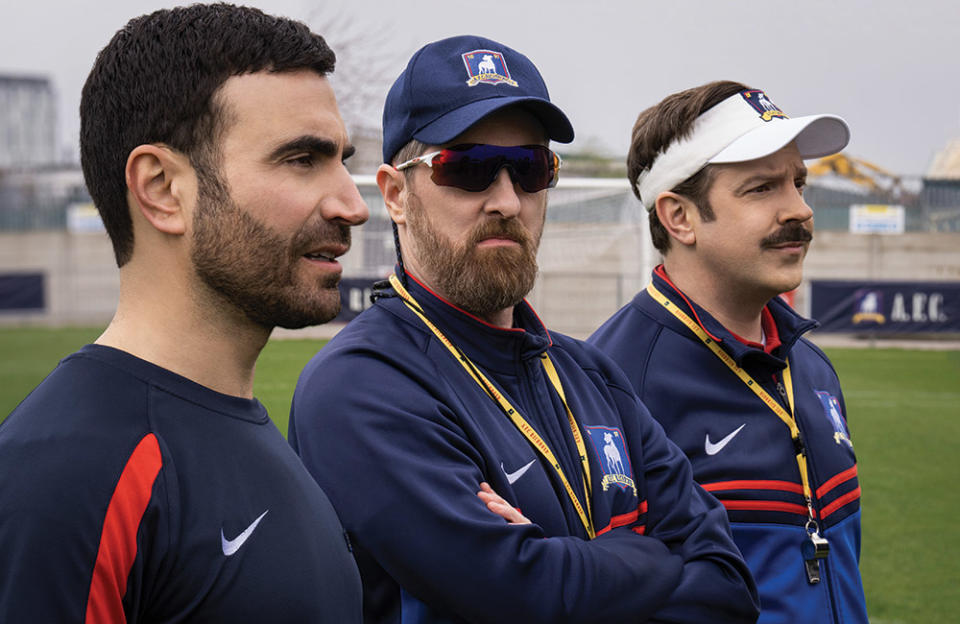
27, 355
904, 409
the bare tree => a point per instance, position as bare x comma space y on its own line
367, 64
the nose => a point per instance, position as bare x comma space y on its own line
502, 196
797, 208
343, 203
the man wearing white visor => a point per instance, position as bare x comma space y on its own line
720, 359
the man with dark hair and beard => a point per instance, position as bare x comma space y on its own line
141, 481
486, 469
720, 359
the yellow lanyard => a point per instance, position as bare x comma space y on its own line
745, 377
584, 511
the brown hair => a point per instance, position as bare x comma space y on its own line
661, 125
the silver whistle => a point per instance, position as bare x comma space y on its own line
814, 549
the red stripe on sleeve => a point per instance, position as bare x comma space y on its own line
625, 519
840, 502
619, 521
641, 529
843, 477
757, 505
783, 486
118, 541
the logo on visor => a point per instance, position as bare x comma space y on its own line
488, 67
762, 104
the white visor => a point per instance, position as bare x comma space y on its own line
743, 127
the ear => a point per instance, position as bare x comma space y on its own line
162, 184
392, 184
678, 215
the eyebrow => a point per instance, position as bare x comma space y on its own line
314, 145
772, 174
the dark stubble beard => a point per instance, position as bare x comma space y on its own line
482, 281
253, 268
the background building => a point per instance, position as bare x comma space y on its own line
28, 121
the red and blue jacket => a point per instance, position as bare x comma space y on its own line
743, 454
400, 437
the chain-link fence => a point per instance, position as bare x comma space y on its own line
594, 256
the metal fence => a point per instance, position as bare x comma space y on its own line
595, 253
40, 199
929, 205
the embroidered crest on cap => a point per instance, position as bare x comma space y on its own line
488, 67
762, 104
612, 453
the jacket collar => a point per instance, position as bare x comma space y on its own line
489, 346
790, 325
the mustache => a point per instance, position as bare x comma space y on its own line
336, 233
501, 228
790, 233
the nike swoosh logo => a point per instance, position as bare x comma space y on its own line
516, 474
232, 546
713, 449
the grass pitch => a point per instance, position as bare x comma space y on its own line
27, 355
904, 413
904, 409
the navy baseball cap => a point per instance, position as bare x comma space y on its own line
451, 84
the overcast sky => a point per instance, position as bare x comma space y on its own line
891, 68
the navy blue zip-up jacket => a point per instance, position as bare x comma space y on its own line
400, 437
742, 452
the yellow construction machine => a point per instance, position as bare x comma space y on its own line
875, 178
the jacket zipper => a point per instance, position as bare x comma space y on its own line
814, 501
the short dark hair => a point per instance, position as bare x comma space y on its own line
156, 81
662, 124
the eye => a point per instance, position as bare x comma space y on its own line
302, 160
760, 188
801, 184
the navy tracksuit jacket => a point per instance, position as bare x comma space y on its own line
742, 452
400, 437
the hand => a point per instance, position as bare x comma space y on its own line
499, 506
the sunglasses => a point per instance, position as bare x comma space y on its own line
474, 166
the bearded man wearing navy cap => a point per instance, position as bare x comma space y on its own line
486, 469
720, 359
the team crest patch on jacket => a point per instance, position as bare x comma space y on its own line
831, 408
488, 67
613, 456
762, 104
